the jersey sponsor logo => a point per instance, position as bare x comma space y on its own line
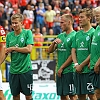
61, 49
62, 45
82, 49
17, 45
87, 38
2, 39
82, 44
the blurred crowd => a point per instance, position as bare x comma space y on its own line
43, 16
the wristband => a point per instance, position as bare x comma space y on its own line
76, 64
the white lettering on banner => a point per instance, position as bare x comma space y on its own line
41, 91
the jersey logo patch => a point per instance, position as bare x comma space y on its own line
22, 40
99, 34
68, 39
87, 38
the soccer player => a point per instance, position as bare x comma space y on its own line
19, 44
81, 55
64, 73
95, 55
2, 52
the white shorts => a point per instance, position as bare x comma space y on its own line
1, 81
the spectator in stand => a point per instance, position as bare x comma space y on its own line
64, 5
30, 14
51, 33
83, 2
56, 27
38, 39
6, 26
44, 31
15, 9
14, 2
87, 4
97, 3
27, 24
40, 16
76, 21
67, 10
3, 15
22, 4
57, 6
49, 16
40, 1
76, 6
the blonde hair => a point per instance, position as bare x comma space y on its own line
68, 16
88, 12
97, 9
17, 15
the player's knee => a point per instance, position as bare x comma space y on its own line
92, 96
97, 93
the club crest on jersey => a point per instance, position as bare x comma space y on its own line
22, 39
68, 39
99, 34
87, 38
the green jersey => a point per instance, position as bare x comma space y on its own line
82, 44
20, 62
64, 50
95, 47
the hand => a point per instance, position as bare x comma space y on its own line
78, 68
96, 69
57, 41
9, 50
60, 72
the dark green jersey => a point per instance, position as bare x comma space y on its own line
82, 44
64, 50
95, 47
20, 62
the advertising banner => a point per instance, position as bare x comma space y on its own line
44, 70
41, 91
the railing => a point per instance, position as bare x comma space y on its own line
41, 52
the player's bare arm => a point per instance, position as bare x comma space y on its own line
26, 49
97, 66
53, 46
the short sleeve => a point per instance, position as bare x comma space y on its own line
29, 37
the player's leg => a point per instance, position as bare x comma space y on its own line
82, 97
68, 82
65, 98
27, 79
92, 96
15, 86
1, 89
97, 93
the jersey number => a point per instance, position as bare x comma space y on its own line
90, 87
